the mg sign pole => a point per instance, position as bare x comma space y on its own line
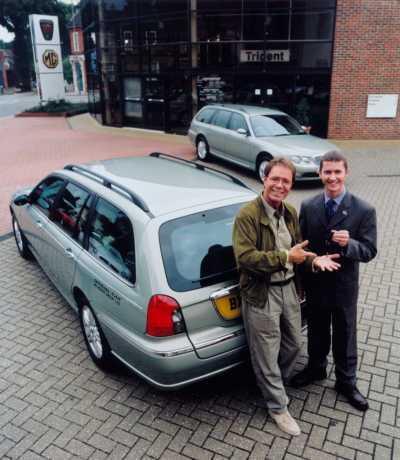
46, 45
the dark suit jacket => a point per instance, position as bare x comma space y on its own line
359, 218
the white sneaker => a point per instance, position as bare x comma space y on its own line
286, 423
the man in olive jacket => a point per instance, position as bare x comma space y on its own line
267, 245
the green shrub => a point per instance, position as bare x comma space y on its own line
60, 106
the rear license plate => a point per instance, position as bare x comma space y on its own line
227, 303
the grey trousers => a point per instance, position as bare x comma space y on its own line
274, 339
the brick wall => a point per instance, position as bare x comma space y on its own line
366, 61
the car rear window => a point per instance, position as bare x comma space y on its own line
197, 249
221, 118
205, 115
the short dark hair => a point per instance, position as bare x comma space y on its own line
333, 155
279, 161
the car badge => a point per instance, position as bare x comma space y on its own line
50, 59
47, 28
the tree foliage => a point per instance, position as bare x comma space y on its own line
5, 45
14, 16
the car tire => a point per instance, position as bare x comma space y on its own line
96, 342
262, 163
20, 240
202, 149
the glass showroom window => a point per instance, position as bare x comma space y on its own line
312, 26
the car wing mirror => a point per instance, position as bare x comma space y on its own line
242, 131
22, 200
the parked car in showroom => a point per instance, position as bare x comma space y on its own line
141, 249
251, 136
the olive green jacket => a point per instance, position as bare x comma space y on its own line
255, 249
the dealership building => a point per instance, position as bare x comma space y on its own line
332, 64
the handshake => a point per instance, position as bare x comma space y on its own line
298, 255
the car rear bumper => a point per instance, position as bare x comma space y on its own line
192, 136
172, 373
170, 362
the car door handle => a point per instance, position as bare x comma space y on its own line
39, 224
68, 252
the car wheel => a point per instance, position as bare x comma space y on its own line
96, 342
261, 165
202, 149
20, 240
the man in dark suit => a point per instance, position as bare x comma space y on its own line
335, 221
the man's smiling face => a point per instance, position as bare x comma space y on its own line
333, 175
277, 185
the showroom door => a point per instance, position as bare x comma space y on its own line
178, 104
154, 103
133, 101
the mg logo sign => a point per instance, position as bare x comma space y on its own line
50, 59
47, 28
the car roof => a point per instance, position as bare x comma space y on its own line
247, 109
164, 184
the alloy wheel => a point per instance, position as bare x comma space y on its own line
92, 332
202, 149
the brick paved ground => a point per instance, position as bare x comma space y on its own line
54, 403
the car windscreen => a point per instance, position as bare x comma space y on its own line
275, 125
197, 249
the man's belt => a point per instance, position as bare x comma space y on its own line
281, 283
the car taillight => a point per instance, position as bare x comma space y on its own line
164, 316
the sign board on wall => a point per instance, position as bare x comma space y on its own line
46, 45
382, 105
267, 56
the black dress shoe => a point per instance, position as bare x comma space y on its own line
308, 375
353, 395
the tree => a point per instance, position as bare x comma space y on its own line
5, 45
14, 17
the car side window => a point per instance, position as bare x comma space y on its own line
68, 208
205, 115
237, 122
221, 118
111, 241
46, 192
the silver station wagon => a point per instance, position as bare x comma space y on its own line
141, 249
251, 136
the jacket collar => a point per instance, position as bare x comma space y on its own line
264, 219
341, 213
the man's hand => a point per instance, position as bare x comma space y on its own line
297, 254
341, 237
326, 262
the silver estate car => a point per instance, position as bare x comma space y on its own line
141, 249
250, 136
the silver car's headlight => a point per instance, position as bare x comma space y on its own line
298, 159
